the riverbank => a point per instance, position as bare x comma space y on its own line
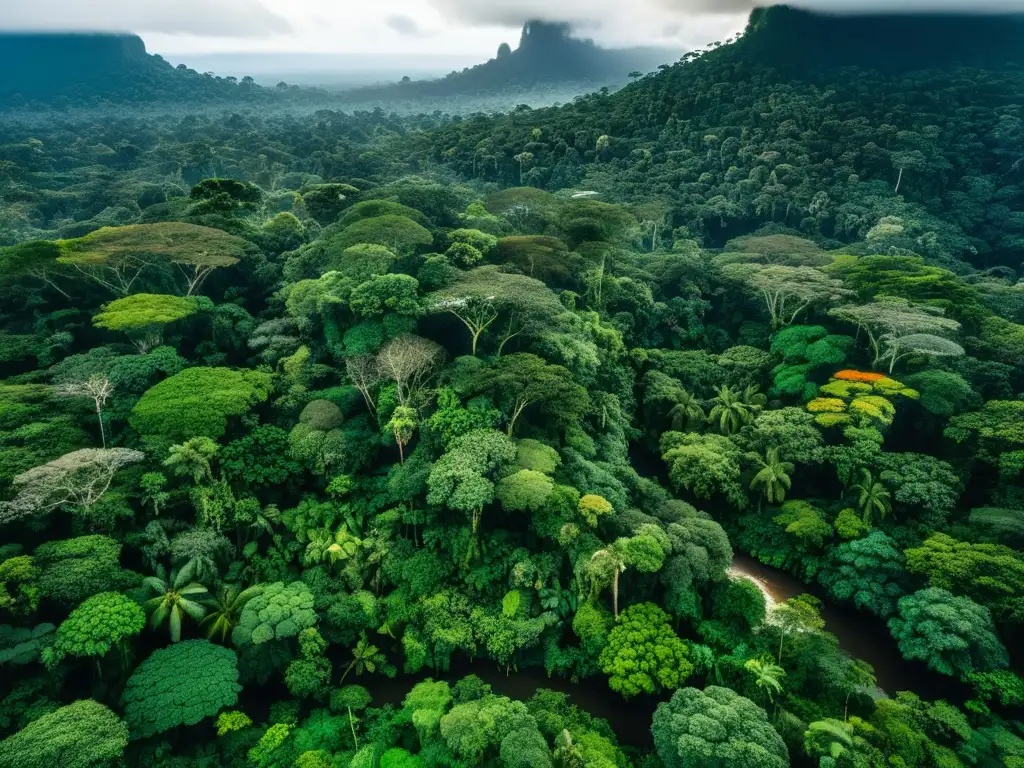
863, 636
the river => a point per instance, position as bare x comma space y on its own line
630, 720
862, 636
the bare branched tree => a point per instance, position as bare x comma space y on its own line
97, 387
410, 362
787, 291
78, 479
365, 374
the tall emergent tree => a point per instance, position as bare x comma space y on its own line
486, 295
78, 480
142, 316
98, 388
896, 327
522, 380
116, 257
787, 291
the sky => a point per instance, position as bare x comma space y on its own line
413, 27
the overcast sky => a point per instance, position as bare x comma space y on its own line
411, 26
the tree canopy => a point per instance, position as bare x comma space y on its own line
180, 685
697, 381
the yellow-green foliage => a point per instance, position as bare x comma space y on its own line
591, 507
844, 389
875, 407
863, 401
144, 310
826, 405
228, 722
262, 754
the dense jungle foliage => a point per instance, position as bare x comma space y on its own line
311, 423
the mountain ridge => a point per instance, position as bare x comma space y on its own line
72, 69
547, 53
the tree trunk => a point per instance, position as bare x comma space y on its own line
103, 434
615, 593
352, 725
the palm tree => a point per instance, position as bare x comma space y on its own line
224, 609
318, 549
730, 413
173, 599
325, 546
767, 676
829, 737
365, 657
687, 413
873, 497
772, 476
193, 458
567, 752
608, 558
377, 549
753, 397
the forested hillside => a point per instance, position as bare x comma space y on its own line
807, 123
358, 441
71, 70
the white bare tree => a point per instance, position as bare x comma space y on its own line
925, 344
78, 479
99, 388
364, 373
410, 362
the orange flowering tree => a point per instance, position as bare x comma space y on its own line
858, 398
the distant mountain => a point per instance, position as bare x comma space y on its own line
100, 69
94, 69
548, 54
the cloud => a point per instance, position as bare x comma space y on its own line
687, 23
511, 13
224, 18
403, 25
909, 6
604, 13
